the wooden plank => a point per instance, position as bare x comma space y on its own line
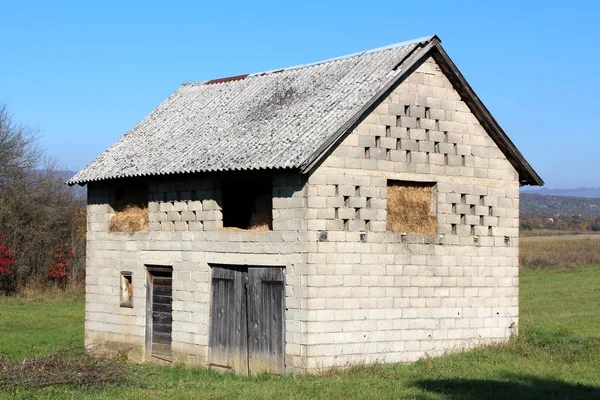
160, 337
163, 307
162, 318
161, 328
162, 290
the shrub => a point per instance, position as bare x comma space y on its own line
7, 260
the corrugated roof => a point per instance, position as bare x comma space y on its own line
272, 120
282, 119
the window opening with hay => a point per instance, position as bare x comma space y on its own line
130, 204
126, 289
248, 204
411, 207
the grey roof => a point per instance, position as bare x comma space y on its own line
262, 121
284, 119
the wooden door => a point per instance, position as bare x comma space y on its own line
159, 313
265, 320
247, 319
228, 337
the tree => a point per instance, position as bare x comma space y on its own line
37, 210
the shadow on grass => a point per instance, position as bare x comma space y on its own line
514, 387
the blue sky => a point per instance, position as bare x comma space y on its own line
84, 73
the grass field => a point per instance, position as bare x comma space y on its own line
556, 356
559, 250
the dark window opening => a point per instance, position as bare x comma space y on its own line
248, 204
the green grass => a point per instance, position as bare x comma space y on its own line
557, 355
32, 328
562, 298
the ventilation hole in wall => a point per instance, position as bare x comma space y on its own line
462, 219
463, 198
398, 144
345, 221
322, 236
472, 209
397, 120
491, 211
445, 159
506, 240
476, 240
455, 148
363, 237
367, 224
356, 213
427, 134
454, 208
453, 229
427, 112
346, 200
437, 124
446, 136
407, 111
481, 220
464, 160
418, 122
388, 131
367, 152
337, 212
403, 238
387, 154
481, 200
337, 190
408, 156
436, 147
472, 229
377, 141
357, 190
490, 231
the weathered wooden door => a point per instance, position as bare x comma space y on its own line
247, 319
159, 313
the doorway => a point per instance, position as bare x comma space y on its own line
159, 313
247, 319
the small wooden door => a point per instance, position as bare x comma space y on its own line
159, 313
247, 319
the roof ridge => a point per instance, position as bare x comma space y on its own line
423, 39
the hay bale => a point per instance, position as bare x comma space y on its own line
130, 219
409, 208
262, 213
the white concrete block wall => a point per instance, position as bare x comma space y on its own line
400, 297
189, 248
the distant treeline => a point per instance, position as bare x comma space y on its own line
533, 221
559, 213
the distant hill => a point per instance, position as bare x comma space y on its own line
559, 212
578, 192
560, 205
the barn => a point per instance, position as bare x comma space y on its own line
356, 210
